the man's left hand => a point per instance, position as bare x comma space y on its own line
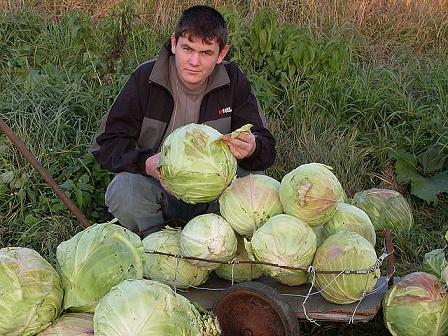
242, 146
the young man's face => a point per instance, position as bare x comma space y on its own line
195, 60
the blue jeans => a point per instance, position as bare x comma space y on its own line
143, 206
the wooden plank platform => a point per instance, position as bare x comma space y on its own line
316, 307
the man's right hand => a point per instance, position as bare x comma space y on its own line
152, 166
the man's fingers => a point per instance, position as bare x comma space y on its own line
236, 142
240, 146
236, 151
246, 137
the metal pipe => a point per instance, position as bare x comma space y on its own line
44, 173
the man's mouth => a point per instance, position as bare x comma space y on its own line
193, 71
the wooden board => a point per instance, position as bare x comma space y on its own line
316, 307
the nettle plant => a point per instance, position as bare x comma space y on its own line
425, 172
85, 183
283, 51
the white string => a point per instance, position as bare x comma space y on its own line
234, 261
312, 271
290, 268
328, 285
210, 289
364, 294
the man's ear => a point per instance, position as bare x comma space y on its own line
173, 43
222, 54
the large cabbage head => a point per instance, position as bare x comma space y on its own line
311, 193
350, 218
30, 292
71, 324
95, 260
385, 208
342, 251
286, 241
195, 165
146, 307
249, 202
166, 269
239, 272
210, 237
416, 306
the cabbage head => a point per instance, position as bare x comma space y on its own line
146, 308
385, 208
350, 218
286, 241
166, 269
434, 262
444, 275
95, 260
345, 250
210, 237
249, 202
71, 324
195, 165
416, 306
311, 193
30, 292
239, 271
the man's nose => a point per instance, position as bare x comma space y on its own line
195, 59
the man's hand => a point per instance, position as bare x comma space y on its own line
152, 166
152, 169
242, 146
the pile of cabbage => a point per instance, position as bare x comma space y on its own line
301, 229
296, 222
97, 287
304, 221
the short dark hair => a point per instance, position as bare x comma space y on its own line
203, 22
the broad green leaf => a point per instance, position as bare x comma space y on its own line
428, 188
432, 159
425, 188
405, 165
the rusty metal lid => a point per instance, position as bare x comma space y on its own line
255, 309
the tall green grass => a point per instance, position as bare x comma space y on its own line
361, 83
369, 76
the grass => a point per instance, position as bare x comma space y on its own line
371, 76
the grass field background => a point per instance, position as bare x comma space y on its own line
340, 84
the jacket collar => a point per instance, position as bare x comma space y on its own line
160, 75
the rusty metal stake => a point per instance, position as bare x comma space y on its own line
390, 257
44, 173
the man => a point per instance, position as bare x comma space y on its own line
187, 83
